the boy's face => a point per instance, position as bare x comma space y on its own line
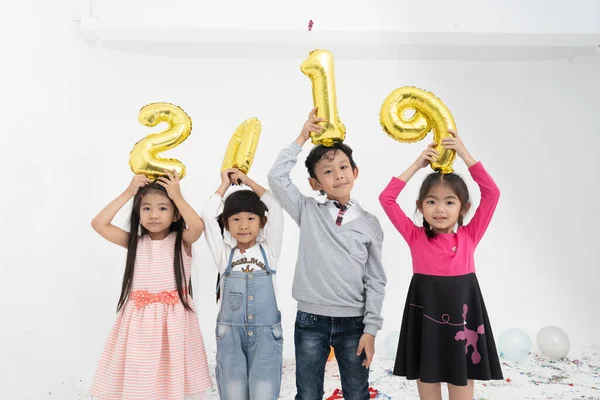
335, 176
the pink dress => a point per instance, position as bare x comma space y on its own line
155, 350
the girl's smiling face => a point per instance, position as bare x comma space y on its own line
157, 212
244, 227
441, 208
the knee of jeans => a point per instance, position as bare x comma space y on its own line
232, 388
355, 381
267, 389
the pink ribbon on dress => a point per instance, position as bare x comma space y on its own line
142, 298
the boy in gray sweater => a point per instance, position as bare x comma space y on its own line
339, 281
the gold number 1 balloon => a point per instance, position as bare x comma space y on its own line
242, 146
430, 114
144, 157
319, 68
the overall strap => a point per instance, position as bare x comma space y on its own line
227, 270
264, 254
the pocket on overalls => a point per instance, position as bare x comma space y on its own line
235, 300
221, 331
277, 332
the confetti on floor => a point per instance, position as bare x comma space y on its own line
534, 378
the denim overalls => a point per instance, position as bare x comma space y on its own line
249, 335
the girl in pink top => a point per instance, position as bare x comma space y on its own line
155, 349
446, 335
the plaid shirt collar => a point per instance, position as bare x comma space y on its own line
342, 210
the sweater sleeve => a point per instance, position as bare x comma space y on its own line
387, 199
280, 182
212, 231
273, 230
375, 281
490, 194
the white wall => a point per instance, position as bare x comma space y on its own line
72, 121
508, 16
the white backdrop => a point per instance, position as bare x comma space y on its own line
72, 120
508, 16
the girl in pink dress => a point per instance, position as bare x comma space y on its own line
155, 350
446, 335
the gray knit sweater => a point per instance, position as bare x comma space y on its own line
339, 272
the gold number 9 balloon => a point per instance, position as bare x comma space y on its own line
430, 114
144, 157
242, 146
319, 68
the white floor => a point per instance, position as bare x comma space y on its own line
535, 378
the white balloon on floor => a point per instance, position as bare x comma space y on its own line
391, 343
514, 344
553, 342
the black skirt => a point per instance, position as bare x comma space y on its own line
446, 334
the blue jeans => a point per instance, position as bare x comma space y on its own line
313, 334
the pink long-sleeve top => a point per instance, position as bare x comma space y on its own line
445, 254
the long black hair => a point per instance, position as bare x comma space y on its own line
136, 228
455, 183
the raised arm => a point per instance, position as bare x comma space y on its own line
388, 198
102, 223
273, 230
490, 194
213, 235
195, 226
280, 182
239, 176
388, 201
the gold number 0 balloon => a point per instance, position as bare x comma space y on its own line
144, 158
430, 114
242, 146
319, 68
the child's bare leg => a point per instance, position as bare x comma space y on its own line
430, 391
461, 392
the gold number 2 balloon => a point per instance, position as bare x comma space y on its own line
319, 68
144, 157
430, 114
242, 146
